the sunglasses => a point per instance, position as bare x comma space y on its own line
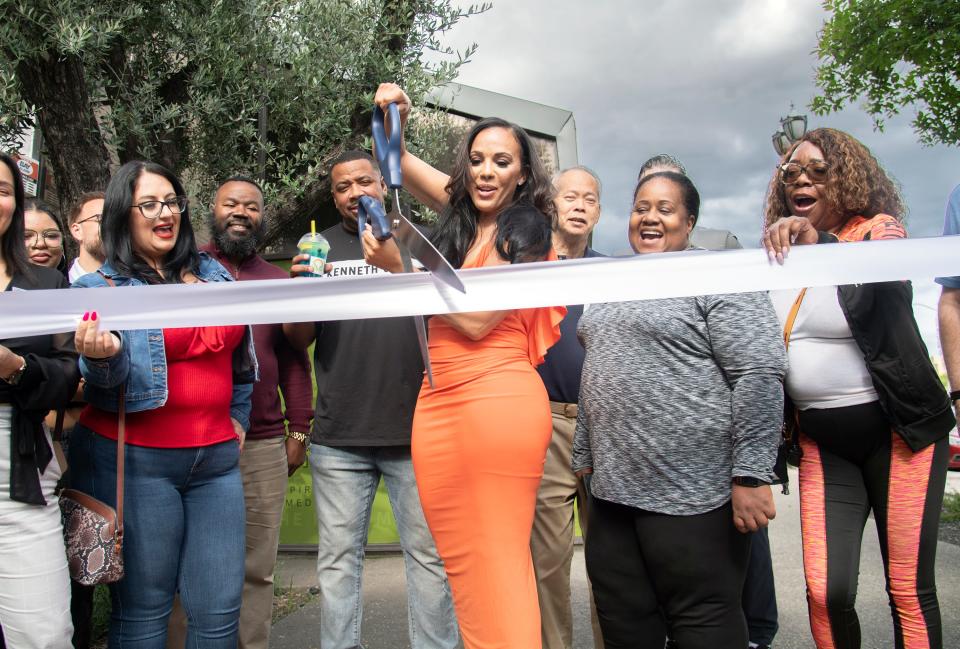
816, 171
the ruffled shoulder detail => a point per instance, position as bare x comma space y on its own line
542, 325
543, 330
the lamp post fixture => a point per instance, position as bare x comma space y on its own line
793, 127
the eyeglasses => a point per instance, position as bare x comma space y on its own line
96, 218
51, 238
153, 209
816, 171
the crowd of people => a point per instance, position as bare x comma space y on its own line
662, 420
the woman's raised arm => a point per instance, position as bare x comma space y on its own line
428, 185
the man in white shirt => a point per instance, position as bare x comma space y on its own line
84, 226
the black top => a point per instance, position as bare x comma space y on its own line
368, 371
49, 382
561, 367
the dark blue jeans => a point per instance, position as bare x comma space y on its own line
183, 530
759, 593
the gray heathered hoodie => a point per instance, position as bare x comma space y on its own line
677, 396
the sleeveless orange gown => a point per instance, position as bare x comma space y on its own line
479, 442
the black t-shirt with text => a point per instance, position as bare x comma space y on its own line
368, 371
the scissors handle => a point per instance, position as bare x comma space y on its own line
370, 209
388, 150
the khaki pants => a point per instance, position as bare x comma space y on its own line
263, 465
551, 540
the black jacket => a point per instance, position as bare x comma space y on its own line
48, 383
910, 392
881, 318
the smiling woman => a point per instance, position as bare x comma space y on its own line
187, 400
667, 549
665, 209
37, 374
481, 434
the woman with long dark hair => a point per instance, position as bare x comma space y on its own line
187, 398
37, 374
873, 416
481, 435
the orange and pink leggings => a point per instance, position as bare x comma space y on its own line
853, 463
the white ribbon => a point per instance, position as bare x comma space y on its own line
576, 281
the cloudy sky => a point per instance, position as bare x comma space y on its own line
707, 82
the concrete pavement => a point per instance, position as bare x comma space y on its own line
385, 619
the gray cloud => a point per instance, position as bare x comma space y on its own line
706, 82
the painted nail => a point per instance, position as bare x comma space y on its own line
86, 316
93, 316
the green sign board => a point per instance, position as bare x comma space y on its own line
299, 526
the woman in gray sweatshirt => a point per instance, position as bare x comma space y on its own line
681, 405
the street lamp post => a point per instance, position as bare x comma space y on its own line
793, 127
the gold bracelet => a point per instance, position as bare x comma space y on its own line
300, 437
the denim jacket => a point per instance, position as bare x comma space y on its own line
142, 363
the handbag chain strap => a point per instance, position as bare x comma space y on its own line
791, 317
121, 442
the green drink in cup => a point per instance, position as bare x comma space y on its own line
314, 244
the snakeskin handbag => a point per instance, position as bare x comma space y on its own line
93, 530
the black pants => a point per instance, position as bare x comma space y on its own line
647, 568
853, 463
759, 593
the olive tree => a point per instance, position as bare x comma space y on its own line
270, 88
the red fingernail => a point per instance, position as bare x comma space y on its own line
86, 316
94, 316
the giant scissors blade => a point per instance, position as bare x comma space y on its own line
388, 157
425, 252
371, 210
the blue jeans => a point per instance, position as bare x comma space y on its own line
183, 530
345, 481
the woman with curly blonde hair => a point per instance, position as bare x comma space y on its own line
872, 414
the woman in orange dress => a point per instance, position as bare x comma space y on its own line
481, 435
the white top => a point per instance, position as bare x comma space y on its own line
826, 367
77, 271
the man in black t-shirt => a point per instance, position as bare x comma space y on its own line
368, 376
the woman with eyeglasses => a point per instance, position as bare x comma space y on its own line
872, 415
187, 397
43, 235
37, 374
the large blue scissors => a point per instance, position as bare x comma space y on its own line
409, 239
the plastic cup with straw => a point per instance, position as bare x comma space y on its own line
316, 245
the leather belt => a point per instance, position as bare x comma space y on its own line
568, 410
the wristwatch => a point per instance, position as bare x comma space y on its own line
300, 437
14, 378
748, 481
